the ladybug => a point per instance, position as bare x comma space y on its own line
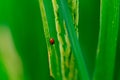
52, 41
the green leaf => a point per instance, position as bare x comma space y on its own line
48, 19
73, 39
27, 30
109, 22
3, 71
89, 24
117, 60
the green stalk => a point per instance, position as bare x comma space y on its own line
73, 39
106, 52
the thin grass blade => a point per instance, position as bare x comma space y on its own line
74, 40
106, 52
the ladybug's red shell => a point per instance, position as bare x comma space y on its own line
52, 41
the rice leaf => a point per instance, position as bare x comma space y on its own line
106, 52
117, 60
88, 27
49, 26
73, 39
